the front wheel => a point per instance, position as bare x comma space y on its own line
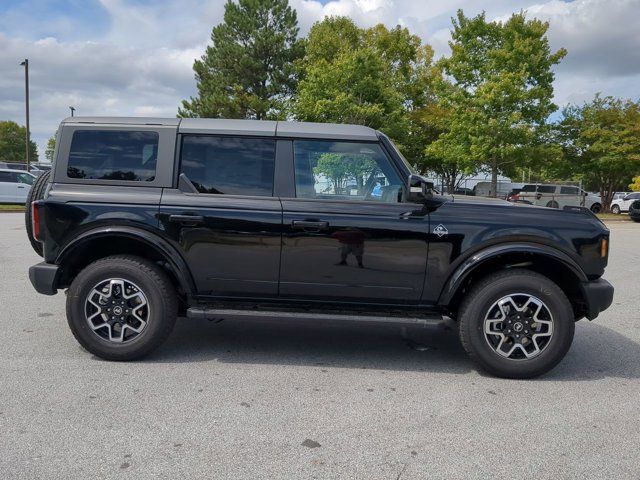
615, 209
121, 307
516, 324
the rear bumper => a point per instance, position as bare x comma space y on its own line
44, 278
598, 295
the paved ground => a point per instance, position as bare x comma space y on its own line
248, 400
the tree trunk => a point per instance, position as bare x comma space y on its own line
493, 192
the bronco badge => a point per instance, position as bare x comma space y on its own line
440, 230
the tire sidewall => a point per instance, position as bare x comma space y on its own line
151, 335
615, 210
547, 292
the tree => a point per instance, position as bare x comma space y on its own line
375, 77
500, 93
51, 148
635, 185
248, 70
12, 143
601, 142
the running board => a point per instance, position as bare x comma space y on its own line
223, 313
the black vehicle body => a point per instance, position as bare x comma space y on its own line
236, 250
634, 211
145, 219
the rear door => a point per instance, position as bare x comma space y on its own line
223, 215
348, 235
25, 181
8, 187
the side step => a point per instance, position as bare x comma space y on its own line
224, 313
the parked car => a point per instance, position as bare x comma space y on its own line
560, 196
634, 211
618, 195
483, 189
33, 169
15, 185
620, 205
242, 223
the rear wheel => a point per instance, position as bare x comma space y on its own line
615, 209
36, 193
516, 324
596, 207
121, 307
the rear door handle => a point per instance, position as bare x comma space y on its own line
309, 225
187, 219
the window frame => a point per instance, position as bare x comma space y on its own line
178, 163
164, 167
385, 152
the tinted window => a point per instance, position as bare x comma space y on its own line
634, 196
229, 165
569, 190
8, 177
345, 171
546, 189
529, 188
113, 155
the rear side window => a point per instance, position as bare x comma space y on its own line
8, 177
569, 190
113, 155
229, 165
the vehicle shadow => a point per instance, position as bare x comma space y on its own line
597, 352
328, 343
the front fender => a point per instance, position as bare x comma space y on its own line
151, 240
463, 271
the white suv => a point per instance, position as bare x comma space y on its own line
620, 205
15, 185
560, 196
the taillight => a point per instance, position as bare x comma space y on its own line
604, 248
36, 214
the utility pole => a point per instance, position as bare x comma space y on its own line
73, 109
25, 64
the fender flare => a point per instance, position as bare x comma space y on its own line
462, 272
155, 242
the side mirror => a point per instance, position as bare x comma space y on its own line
419, 189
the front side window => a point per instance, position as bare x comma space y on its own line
345, 171
229, 165
546, 189
24, 178
569, 190
113, 155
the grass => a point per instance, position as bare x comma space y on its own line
8, 207
612, 216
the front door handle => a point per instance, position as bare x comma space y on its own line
187, 219
309, 225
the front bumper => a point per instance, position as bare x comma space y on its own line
44, 278
598, 296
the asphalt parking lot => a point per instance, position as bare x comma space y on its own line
245, 399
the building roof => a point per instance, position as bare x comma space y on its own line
265, 128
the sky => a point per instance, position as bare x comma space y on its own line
135, 57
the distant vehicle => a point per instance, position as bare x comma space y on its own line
622, 204
15, 185
43, 166
560, 196
618, 195
464, 191
483, 189
23, 166
634, 211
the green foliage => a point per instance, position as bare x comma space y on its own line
51, 148
12, 143
601, 142
500, 94
375, 77
248, 70
342, 169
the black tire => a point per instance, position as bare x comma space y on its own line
156, 286
36, 193
615, 209
486, 293
596, 208
553, 204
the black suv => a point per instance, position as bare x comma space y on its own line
143, 220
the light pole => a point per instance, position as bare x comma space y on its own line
25, 64
73, 109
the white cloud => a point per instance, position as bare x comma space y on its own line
139, 61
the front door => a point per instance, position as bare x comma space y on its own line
229, 227
348, 236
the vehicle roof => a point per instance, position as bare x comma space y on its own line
265, 128
16, 171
